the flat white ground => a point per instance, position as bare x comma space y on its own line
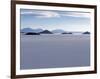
54, 51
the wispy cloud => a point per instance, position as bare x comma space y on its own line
48, 14
77, 14
26, 12
42, 14
54, 14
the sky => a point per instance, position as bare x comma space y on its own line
54, 19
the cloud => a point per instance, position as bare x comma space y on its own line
55, 14
26, 12
42, 14
77, 14
48, 14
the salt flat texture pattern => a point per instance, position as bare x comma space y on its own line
54, 51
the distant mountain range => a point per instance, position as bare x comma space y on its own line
58, 31
26, 30
46, 32
30, 31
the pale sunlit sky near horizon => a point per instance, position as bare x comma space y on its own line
52, 19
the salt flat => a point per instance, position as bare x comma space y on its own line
54, 51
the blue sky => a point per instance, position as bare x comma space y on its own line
52, 19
